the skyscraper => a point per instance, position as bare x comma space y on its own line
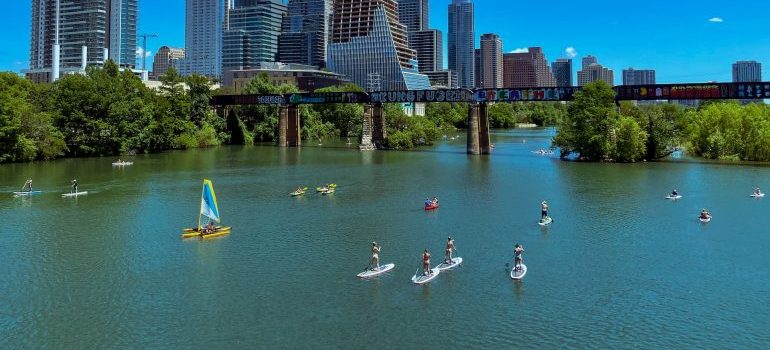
461, 41
165, 58
413, 14
638, 76
747, 72
369, 45
305, 32
593, 71
476, 68
430, 49
527, 69
251, 33
98, 25
204, 20
562, 71
491, 65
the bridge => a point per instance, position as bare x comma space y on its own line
478, 142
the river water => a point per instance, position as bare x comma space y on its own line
620, 267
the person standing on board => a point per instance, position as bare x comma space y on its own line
74, 186
27, 186
375, 262
543, 210
426, 263
518, 259
450, 247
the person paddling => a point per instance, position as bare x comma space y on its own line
375, 262
435, 201
517, 257
704, 214
674, 193
426, 263
757, 191
27, 186
74, 186
543, 210
450, 247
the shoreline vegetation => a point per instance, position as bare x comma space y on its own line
111, 113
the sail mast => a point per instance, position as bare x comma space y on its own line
200, 212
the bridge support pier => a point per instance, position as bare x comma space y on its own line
485, 145
478, 129
373, 134
289, 130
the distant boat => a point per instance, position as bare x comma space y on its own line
210, 210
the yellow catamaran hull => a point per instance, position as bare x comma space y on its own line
192, 233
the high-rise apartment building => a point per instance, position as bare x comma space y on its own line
369, 45
413, 14
165, 58
461, 42
638, 76
204, 25
305, 32
430, 49
527, 69
251, 33
443, 79
90, 27
593, 71
491, 66
747, 72
562, 72
476, 68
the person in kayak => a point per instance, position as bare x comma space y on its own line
543, 210
426, 263
435, 200
517, 257
428, 202
375, 256
450, 247
27, 186
74, 186
704, 214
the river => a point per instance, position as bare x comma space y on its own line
619, 268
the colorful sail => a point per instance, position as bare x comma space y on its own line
209, 207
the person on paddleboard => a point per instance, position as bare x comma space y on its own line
375, 262
704, 214
757, 191
27, 186
674, 193
450, 247
426, 263
74, 186
518, 259
543, 210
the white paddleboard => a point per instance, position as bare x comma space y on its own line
420, 279
27, 193
673, 198
455, 262
761, 195
519, 274
548, 220
704, 220
68, 195
122, 163
376, 272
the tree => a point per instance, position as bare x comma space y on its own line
589, 126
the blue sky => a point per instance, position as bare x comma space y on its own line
675, 37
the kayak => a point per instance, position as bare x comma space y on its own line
422, 279
706, 220
371, 273
76, 194
548, 220
455, 262
329, 191
519, 274
26, 193
299, 192
220, 231
673, 198
431, 207
122, 163
761, 195
327, 188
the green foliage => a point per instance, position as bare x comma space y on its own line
448, 115
406, 132
587, 129
730, 131
502, 116
236, 129
630, 141
347, 118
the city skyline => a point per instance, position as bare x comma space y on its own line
713, 47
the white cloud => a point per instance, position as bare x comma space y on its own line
571, 52
521, 50
716, 20
139, 52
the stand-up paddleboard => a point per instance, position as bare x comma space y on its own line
374, 272
548, 220
421, 279
455, 262
76, 194
761, 195
707, 220
673, 198
26, 193
122, 163
518, 274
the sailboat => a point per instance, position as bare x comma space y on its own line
209, 210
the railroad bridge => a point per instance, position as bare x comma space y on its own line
478, 141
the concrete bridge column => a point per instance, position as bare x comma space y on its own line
485, 145
283, 126
379, 132
473, 129
294, 129
366, 131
